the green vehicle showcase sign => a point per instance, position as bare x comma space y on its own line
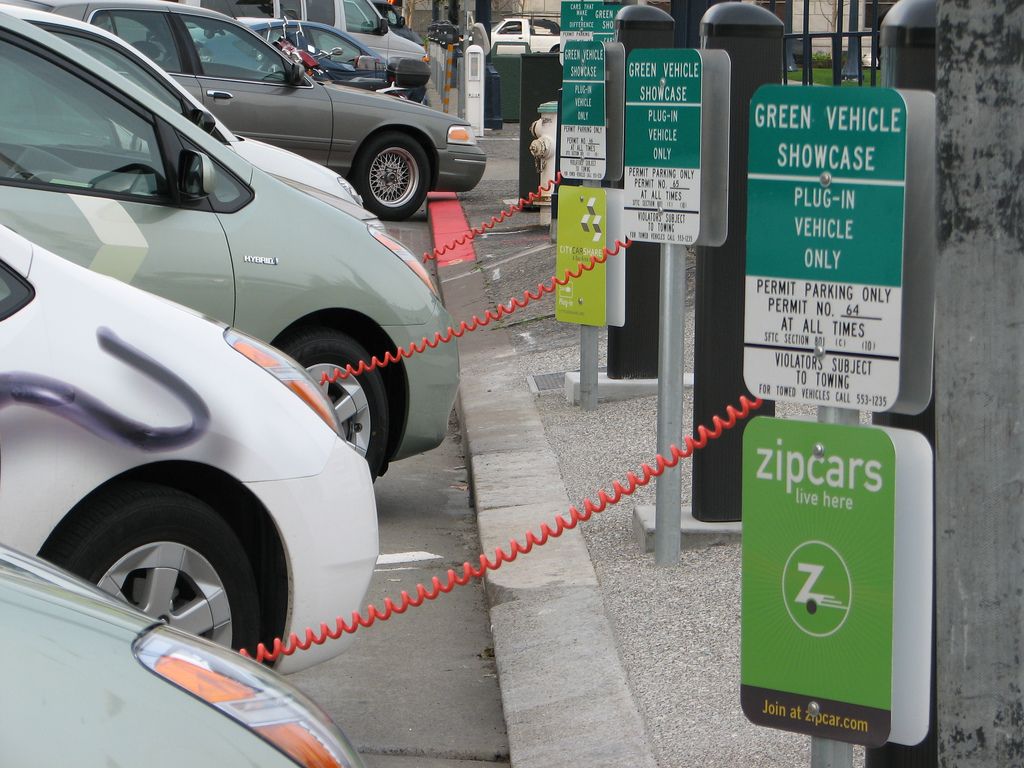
584, 130
826, 196
582, 217
816, 647
662, 185
587, 20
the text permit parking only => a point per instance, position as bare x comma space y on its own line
583, 127
662, 180
826, 200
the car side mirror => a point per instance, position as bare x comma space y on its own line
295, 73
382, 26
203, 119
196, 175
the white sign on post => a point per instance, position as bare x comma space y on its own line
662, 182
584, 132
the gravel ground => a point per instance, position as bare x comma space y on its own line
677, 627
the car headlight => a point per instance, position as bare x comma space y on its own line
249, 694
460, 134
403, 253
288, 372
349, 189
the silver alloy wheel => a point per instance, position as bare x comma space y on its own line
394, 177
167, 580
350, 405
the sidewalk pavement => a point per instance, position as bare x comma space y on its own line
603, 659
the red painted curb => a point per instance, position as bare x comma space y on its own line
447, 224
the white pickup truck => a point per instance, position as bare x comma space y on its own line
509, 35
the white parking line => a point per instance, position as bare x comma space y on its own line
406, 557
483, 261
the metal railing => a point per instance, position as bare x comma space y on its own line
846, 14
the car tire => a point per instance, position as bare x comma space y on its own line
360, 401
167, 553
392, 174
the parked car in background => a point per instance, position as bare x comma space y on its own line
356, 17
140, 69
396, 21
106, 175
181, 465
94, 683
343, 59
392, 150
335, 53
541, 35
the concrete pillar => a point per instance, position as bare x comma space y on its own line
978, 373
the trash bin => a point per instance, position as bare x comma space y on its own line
492, 98
507, 66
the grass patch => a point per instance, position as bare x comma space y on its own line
823, 76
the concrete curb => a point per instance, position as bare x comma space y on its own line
563, 687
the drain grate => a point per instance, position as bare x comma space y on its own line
546, 382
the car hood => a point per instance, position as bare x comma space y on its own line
351, 98
55, 585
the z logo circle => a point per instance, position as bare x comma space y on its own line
816, 588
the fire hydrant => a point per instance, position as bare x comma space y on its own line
545, 131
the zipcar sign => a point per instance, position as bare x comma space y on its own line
835, 610
825, 236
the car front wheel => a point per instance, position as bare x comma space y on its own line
359, 401
392, 174
167, 553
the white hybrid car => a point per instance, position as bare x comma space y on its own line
190, 469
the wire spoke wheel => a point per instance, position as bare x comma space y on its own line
393, 173
394, 176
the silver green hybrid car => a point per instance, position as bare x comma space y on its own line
102, 173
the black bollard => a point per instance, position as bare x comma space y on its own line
752, 36
907, 42
633, 348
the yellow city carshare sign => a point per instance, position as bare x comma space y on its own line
582, 223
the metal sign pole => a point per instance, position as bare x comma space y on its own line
828, 753
668, 498
588, 367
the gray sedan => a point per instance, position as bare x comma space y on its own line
393, 151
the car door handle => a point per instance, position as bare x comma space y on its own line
220, 94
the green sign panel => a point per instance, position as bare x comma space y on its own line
825, 223
819, 505
582, 213
584, 140
661, 195
587, 20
